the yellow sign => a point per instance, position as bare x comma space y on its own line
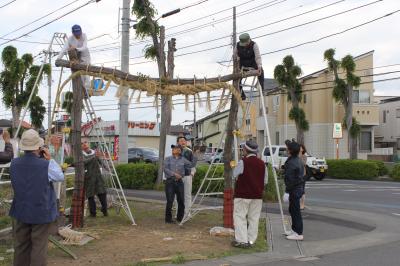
337, 131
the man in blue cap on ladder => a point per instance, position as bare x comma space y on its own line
78, 41
248, 54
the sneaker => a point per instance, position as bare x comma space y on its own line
288, 233
295, 236
240, 245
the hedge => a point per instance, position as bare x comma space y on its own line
382, 169
353, 169
137, 175
395, 174
215, 186
270, 194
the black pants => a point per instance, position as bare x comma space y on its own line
260, 80
30, 243
172, 188
92, 204
294, 210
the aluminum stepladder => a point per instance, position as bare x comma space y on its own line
255, 86
118, 196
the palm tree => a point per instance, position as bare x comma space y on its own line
286, 74
17, 81
343, 93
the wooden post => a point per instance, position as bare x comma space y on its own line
228, 152
166, 101
78, 196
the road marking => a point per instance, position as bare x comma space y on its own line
396, 214
305, 259
350, 190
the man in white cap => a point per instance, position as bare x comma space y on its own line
34, 206
248, 196
249, 56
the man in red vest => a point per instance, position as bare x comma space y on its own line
248, 196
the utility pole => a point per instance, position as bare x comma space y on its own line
232, 119
194, 131
124, 100
49, 100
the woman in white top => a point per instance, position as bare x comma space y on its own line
78, 41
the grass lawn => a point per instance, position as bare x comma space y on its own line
123, 244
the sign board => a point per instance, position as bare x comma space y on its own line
337, 131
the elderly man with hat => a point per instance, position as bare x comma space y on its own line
249, 189
175, 169
248, 55
34, 206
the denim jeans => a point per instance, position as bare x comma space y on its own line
174, 187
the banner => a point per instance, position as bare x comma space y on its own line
116, 148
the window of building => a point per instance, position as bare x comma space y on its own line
275, 102
305, 98
384, 116
277, 138
366, 141
398, 113
361, 96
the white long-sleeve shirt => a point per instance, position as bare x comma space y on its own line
239, 169
81, 46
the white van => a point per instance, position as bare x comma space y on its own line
316, 168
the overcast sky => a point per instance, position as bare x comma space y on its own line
100, 22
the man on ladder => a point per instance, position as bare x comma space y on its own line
78, 41
248, 54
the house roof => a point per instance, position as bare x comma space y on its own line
212, 116
319, 72
393, 99
8, 123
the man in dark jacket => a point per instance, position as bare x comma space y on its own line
94, 182
294, 172
249, 56
34, 206
188, 179
248, 196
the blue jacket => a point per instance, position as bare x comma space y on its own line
34, 197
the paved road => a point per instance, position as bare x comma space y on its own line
372, 196
382, 198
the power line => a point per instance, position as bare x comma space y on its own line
333, 34
51, 21
9, 3
245, 12
40, 18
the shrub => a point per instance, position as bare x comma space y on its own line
137, 175
201, 171
382, 169
395, 174
353, 169
270, 190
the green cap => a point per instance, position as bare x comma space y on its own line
244, 39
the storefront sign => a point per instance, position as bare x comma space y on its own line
143, 125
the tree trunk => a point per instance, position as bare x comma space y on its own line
78, 196
349, 122
16, 115
299, 130
166, 101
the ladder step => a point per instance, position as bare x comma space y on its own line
211, 194
215, 179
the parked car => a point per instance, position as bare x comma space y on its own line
315, 167
209, 153
148, 155
215, 157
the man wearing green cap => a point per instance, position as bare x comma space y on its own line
248, 54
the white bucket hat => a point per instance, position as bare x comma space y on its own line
31, 141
